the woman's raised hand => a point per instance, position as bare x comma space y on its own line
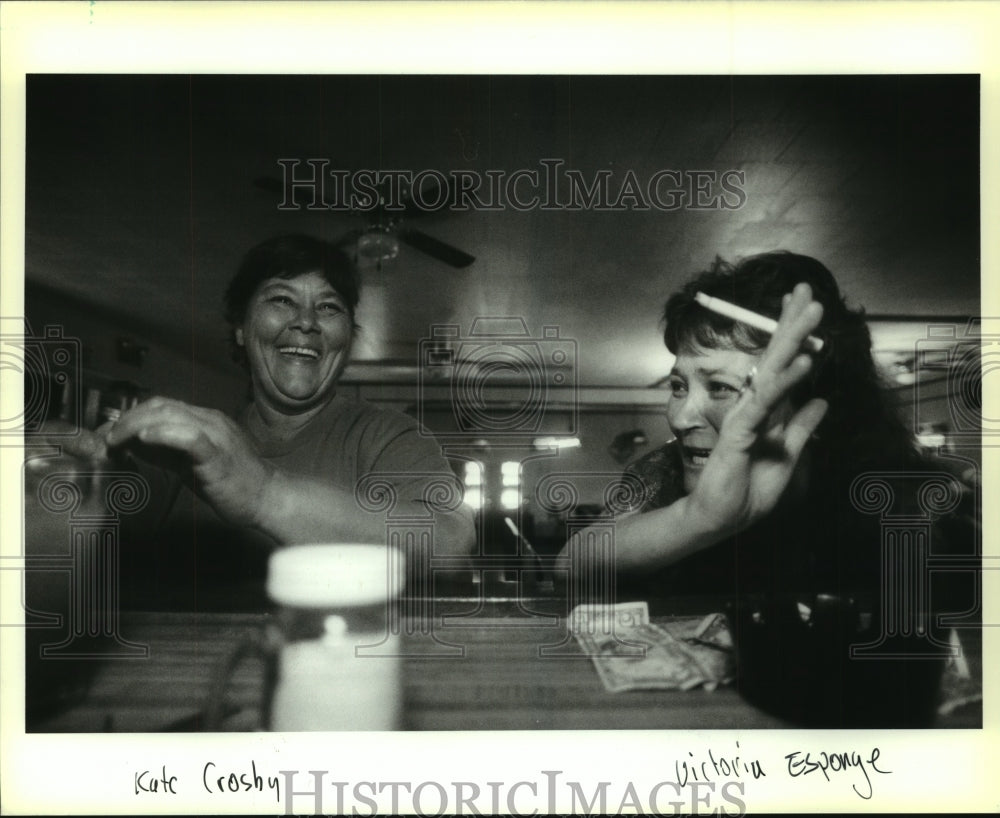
216, 456
762, 438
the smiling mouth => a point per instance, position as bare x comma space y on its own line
299, 352
695, 456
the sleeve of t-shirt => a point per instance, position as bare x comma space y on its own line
400, 452
395, 446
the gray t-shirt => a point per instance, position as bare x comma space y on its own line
349, 440
369, 450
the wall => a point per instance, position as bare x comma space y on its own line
168, 369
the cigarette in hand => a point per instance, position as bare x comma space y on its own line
761, 322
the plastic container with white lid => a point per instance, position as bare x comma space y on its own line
312, 576
334, 663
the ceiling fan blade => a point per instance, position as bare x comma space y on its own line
435, 248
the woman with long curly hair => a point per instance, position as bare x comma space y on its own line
756, 495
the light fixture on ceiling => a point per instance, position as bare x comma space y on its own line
378, 244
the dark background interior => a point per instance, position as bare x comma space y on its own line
141, 200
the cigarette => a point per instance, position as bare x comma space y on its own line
761, 322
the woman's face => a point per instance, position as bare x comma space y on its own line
297, 336
704, 386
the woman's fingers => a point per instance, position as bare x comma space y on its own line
771, 388
87, 444
153, 411
800, 428
783, 364
798, 319
764, 394
164, 422
158, 411
201, 445
181, 436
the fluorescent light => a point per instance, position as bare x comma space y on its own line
557, 443
473, 473
510, 473
510, 498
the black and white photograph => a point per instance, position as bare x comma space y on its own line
432, 409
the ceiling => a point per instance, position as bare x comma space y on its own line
141, 196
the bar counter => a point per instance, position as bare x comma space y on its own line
493, 665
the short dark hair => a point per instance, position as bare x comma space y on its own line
290, 256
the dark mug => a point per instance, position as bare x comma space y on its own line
832, 661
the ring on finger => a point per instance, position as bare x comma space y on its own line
749, 379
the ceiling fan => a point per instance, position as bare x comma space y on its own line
379, 240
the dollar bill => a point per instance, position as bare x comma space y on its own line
712, 644
606, 619
714, 631
662, 664
631, 653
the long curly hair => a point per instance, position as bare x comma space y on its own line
861, 430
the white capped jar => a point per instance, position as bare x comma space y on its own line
335, 665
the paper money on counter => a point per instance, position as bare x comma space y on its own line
663, 664
630, 653
712, 644
713, 630
608, 618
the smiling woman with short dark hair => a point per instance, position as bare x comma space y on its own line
289, 466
